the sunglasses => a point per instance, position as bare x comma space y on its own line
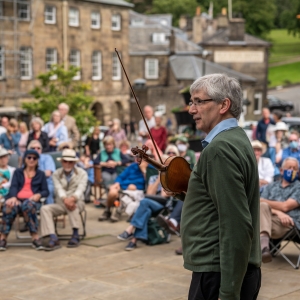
168, 153
67, 161
31, 157
35, 148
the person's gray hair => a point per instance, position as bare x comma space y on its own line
65, 105
34, 142
292, 159
218, 87
37, 120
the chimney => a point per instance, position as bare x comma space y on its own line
236, 29
182, 22
197, 27
223, 19
172, 43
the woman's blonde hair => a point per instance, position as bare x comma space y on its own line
109, 140
37, 120
55, 112
25, 126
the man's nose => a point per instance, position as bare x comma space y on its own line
192, 109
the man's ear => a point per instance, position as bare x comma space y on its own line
225, 106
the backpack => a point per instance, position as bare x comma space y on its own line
156, 234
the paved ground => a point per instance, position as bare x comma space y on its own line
101, 269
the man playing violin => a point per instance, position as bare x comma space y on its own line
220, 216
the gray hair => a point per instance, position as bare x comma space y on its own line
292, 159
64, 105
37, 120
34, 142
218, 87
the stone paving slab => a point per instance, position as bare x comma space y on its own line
104, 271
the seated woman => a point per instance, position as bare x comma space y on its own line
184, 151
56, 130
10, 139
6, 172
47, 165
28, 186
138, 228
37, 134
109, 159
132, 178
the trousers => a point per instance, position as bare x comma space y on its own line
270, 223
49, 211
206, 285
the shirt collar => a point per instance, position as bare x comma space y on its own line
222, 126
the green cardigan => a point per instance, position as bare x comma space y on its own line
220, 216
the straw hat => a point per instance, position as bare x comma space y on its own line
257, 145
68, 155
3, 152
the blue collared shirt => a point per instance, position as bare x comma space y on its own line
222, 126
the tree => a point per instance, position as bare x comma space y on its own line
63, 89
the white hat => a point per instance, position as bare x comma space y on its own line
68, 155
280, 126
3, 152
256, 144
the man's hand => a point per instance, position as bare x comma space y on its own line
35, 197
11, 202
48, 173
111, 164
70, 203
285, 219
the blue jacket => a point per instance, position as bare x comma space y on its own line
132, 175
38, 183
12, 144
287, 152
261, 130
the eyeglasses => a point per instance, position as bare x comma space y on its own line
199, 102
67, 161
169, 153
35, 148
31, 157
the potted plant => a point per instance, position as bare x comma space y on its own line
185, 92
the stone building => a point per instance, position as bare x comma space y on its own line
36, 34
163, 60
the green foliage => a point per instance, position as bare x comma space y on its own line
284, 46
176, 8
285, 74
63, 89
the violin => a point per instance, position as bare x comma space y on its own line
175, 171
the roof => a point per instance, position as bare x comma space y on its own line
143, 28
221, 37
113, 2
189, 67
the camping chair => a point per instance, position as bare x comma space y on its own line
55, 155
98, 184
279, 244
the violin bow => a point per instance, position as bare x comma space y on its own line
133, 93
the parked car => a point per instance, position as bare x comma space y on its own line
292, 122
276, 103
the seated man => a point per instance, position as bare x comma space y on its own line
279, 206
138, 228
132, 178
47, 165
69, 186
293, 149
265, 166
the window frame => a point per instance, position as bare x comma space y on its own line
69, 17
76, 64
147, 68
118, 22
2, 63
258, 96
53, 14
157, 38
21, 8
99, 20
27, 61
116, 66
97, 64
48, 67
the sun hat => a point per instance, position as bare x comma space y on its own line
256, 144
68, 155
3, 152
182, 139
31, 151
280, 126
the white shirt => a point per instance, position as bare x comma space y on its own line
265, 169
143, 128
2, 130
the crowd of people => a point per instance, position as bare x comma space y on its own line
38, 187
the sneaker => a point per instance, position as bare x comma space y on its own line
266, 255
2, 245
73, 242
131, 246
167, 225
105, 216
52, 245
125, 236
37, 245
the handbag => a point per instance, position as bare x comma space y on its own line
156, 234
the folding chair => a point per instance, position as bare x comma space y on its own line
279, 244
98, 182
